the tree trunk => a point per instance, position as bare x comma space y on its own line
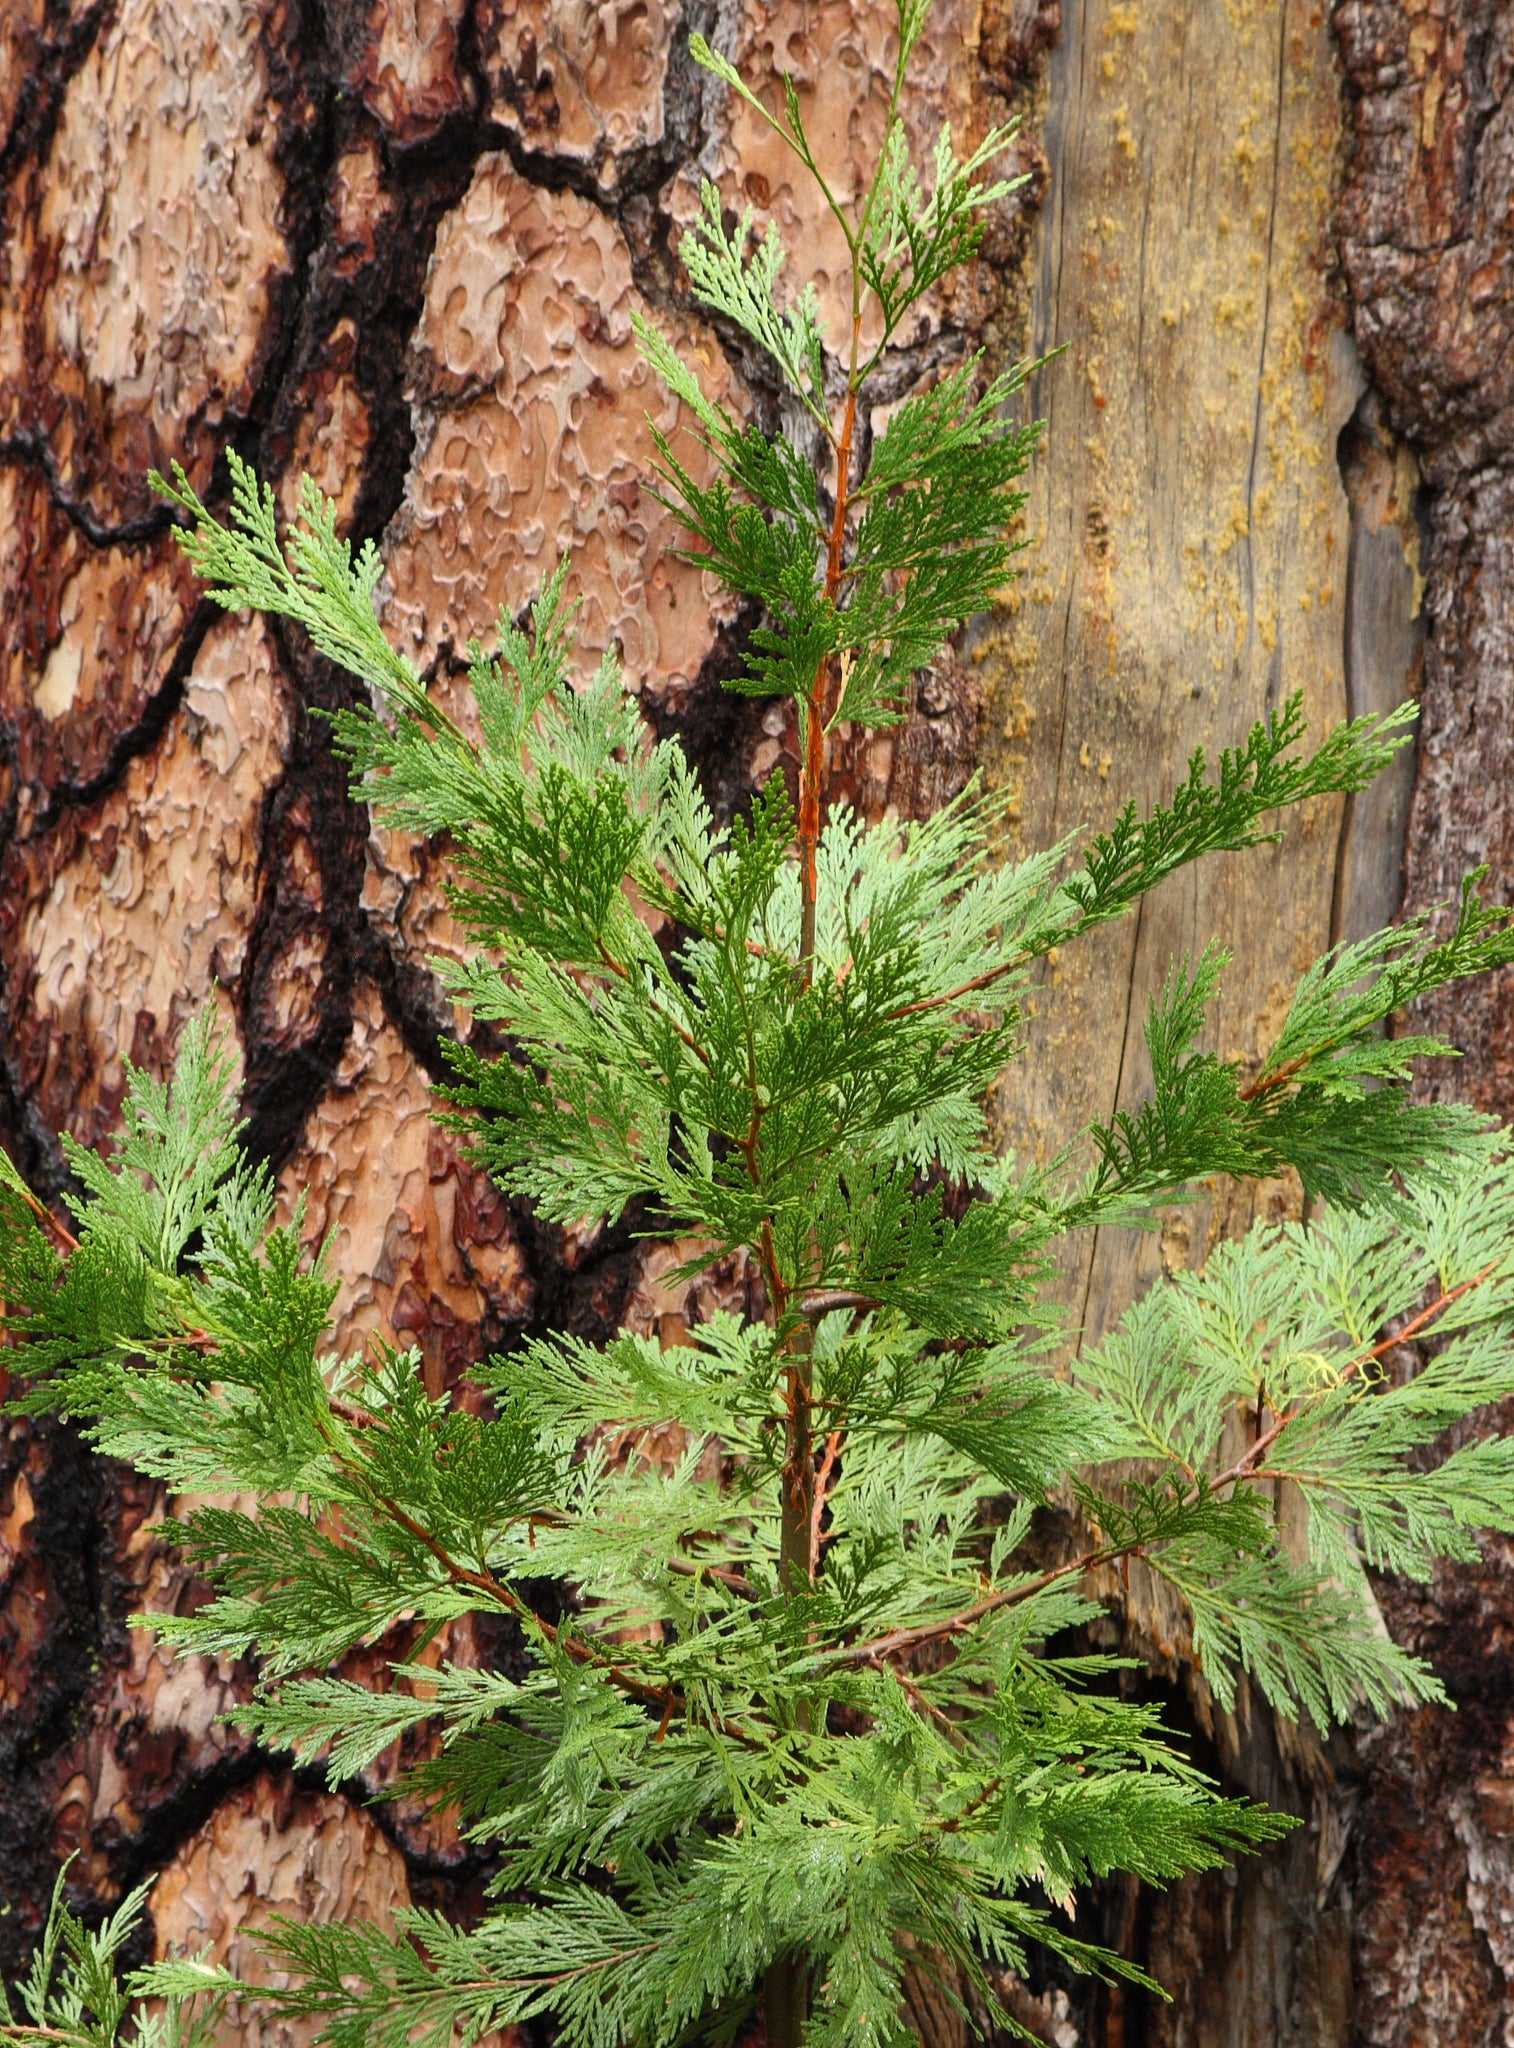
397, 243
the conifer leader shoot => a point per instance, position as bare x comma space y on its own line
798, 1728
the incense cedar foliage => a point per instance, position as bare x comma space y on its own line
800, 1726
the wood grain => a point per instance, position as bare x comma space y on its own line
1219, 518
1189, 527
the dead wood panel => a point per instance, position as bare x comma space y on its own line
1189, 525
1219, 519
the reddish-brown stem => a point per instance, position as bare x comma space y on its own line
616, 967
493, 1589
982, 1798
66, 1240
1244, 1467
811, 802
823, 1300
900, 1639
927, 1709
1265, 1083
797, 1482
24, 2031
813, 776
955, 995
689, 1569
817, 1505
778, 1293
798, 1558
351, 1414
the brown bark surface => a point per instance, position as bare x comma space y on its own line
1427, 241
397, 243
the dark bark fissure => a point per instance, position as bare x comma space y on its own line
59, 48
86, 1505
32, 450
77, 1502
51, 1674
80, 1503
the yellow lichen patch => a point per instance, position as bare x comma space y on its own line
1233, 310
1426, 34
1429, 109
1237, 526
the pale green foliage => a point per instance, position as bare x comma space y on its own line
640, 1753
73, 1993
1314, 1104
1285, 1323
714, 1761
929, 546
317, 582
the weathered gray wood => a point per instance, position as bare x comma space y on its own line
1201, 549
1189, 522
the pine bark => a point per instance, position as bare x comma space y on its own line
397, 243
